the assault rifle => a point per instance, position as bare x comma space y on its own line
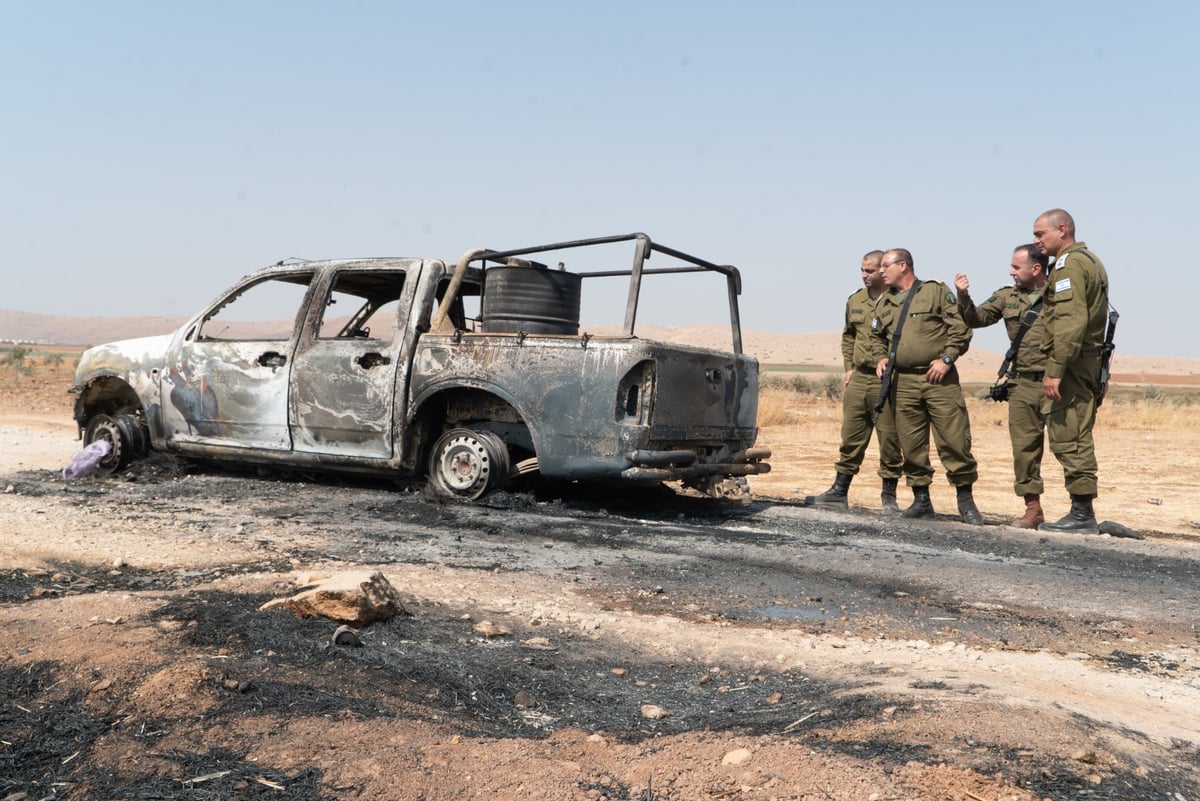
1106, 351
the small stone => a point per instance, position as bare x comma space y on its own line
774, 698
489, 629
524, 700
620, 673
538, 644
738, 756
1085, 755
654, 712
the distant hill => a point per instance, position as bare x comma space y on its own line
48, 329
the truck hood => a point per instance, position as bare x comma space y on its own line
125, 356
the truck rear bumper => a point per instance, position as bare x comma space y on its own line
681, 465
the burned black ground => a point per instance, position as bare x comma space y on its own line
432, 663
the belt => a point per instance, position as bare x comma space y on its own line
912, 370
1032, 375
866, 371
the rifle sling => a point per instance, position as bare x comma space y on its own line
885, 388
1026, 324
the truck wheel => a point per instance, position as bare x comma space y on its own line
467, 464
122, 433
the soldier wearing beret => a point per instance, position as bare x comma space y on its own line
1026, 422
860, 390
1076, 316
924, 387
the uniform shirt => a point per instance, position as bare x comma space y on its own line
857, 350
1010, 304
1076, 308
934, 329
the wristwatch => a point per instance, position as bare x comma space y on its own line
948, 359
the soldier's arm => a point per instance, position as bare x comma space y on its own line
958, 333
987, 313
1068, 324
880, 336
848, 337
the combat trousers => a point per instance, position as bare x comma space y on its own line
858, 411
1027, 430
920, 405
1069, 425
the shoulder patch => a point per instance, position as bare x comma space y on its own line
992, 299
951, 299
1062, 284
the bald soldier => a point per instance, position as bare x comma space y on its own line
1076, 314
860, 390
1015, 305
925, 391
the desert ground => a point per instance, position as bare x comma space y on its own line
97, 638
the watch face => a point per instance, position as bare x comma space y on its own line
947, 360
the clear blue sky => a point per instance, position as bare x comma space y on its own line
154, 152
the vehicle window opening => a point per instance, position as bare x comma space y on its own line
263, 311
362, 304
631, 401
465, 312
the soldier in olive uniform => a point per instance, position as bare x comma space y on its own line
860, 390
924, 387
1076, 314
1026, 422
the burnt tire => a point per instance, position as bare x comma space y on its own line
125, 436
467, 464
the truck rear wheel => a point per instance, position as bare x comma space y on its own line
467, 464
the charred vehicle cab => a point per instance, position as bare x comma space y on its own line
471, 372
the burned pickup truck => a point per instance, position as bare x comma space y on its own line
473, 373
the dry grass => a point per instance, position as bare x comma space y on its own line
1149, 452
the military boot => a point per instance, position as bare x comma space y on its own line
967, 509
834, 496
888, 497
1034, 516
1080, 520
922, 506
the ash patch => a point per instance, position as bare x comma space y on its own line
1141, 663
49, 734
272, 663
76, 578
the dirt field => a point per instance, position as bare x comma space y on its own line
130, 635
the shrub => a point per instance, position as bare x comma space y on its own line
801, 385
16, 358
1154, 394
833, 387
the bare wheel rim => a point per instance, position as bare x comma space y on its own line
103, 428
467, 464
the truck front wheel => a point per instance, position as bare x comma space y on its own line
125, 436
467, 464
